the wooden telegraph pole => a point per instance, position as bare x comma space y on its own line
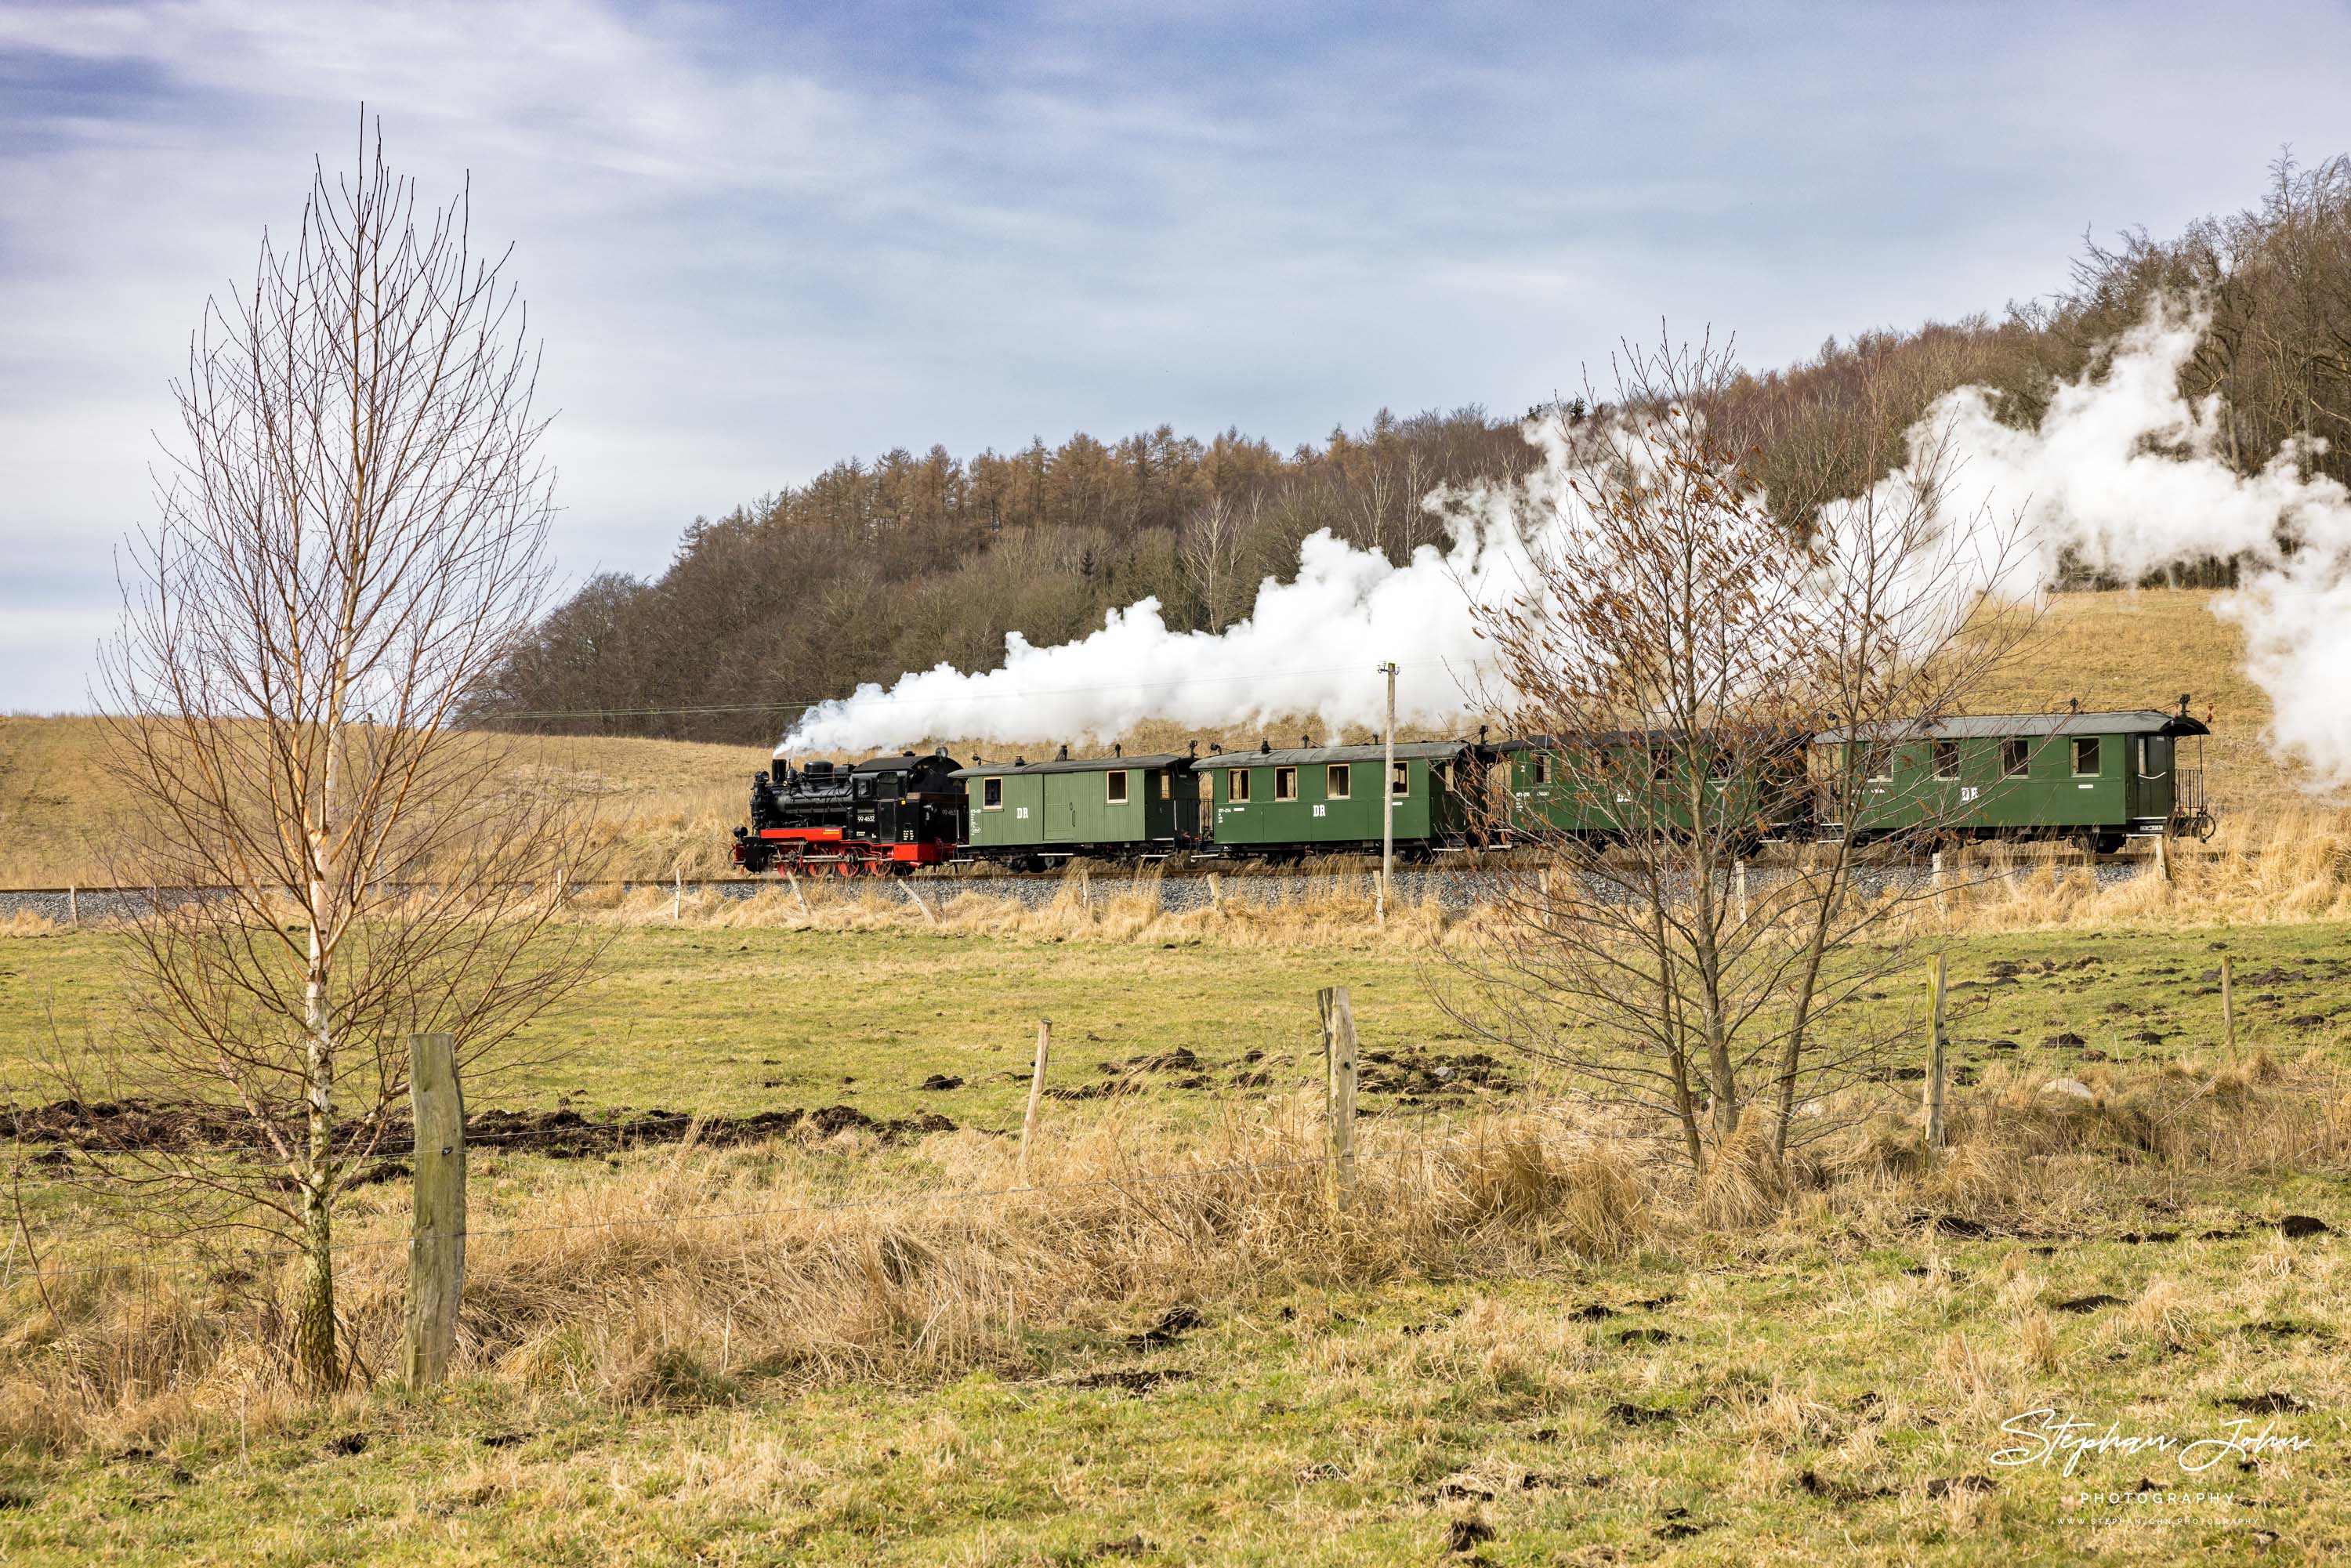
1388, 800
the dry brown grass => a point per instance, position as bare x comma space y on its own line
2289, 866
815, 1262
1332, 910
671, 803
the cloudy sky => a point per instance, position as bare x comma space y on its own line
760, 238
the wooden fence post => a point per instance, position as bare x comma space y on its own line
1036, 1093
908, 888
2163, 856
73, 907
677, 895
1339, 1088
797, 894
1936, 991
1738, 878
436, 1239
2227, 1008
1216, 892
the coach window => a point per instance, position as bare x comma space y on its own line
1285, 783
991, 794
1947, 759
1237, 782
2085, 757
1400, 782
1117, 776
1542, 767
2015, 759
1880, 763
1337, 781
1166, 787
2153, 755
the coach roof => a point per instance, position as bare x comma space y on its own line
2000, 726
1074, 765
1307, 757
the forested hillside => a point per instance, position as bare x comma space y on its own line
872, 568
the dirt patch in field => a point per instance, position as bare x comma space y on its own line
136, 1125
1423, 1077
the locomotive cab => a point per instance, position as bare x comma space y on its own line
882, 816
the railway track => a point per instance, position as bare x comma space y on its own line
1456, 885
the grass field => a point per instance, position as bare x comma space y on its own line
732, 1019
1513, 1352
673, 802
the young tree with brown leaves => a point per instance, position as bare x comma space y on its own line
1672, 652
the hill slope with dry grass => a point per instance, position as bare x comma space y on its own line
61, 820
673, 802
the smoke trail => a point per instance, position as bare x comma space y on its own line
2128, 474
2122, 470
1309, 646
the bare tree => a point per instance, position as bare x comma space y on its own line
1208, 551
351, 535
1673, 652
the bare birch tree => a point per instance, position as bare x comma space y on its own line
351, 531
1672, 652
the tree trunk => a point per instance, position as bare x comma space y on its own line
317, 1362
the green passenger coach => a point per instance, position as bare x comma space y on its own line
1624, 784
2096, 779
1030, 815
1280, 804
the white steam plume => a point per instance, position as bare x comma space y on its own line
2128, 474
2122, 470
1309, 646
